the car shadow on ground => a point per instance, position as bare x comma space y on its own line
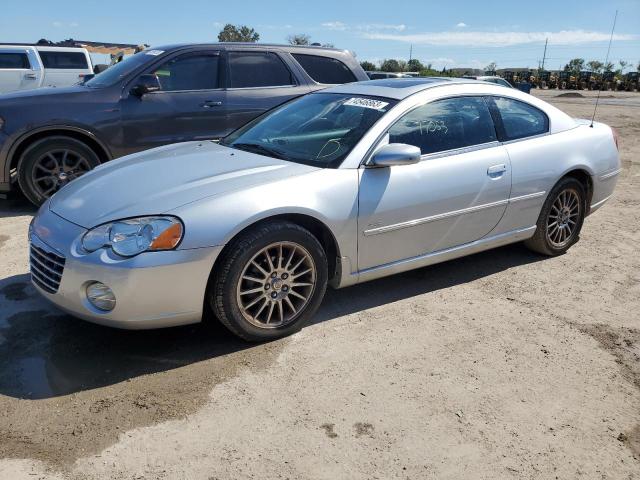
45, 353
16, 205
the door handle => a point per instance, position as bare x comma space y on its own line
496, 171
211, 104
30, 76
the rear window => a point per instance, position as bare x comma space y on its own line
519, 119
325, 69
64, 60
257, 69
13, 60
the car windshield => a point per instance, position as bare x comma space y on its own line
319, 129
117, 72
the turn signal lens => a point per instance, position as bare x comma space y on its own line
168, 239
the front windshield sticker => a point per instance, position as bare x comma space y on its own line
154, 52
366, 103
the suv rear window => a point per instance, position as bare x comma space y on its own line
64, 60
257, 69
325, 69
14, 60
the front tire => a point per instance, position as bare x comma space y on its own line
51, 163
560, 220
270, 281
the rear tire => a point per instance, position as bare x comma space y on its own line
269, 281
560, 220
50, 163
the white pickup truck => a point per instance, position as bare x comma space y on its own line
28, 67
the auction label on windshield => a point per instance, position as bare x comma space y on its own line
154, 52
366, 103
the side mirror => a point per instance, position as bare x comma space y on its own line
395, 154
99, 68
147, 83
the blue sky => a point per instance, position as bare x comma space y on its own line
445, 33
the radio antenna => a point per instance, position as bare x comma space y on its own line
606, 61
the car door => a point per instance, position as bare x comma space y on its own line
257, 80
190, 104
19, 69
455, 195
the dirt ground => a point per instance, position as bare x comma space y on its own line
500, 365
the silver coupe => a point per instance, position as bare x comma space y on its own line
338, 187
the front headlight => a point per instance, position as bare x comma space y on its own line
135, 235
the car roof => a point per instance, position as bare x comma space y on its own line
396, 88
225, 45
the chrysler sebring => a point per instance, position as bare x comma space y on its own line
335, 188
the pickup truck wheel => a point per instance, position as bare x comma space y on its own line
269, 282
560, 220
51, 163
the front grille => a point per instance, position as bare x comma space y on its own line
46, 268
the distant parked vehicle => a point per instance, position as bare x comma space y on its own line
381, 75
178, 93
30, 67
491, 79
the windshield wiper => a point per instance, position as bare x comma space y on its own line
259, 149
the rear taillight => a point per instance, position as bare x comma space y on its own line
616, 138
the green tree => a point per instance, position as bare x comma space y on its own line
415, 65
574, 65
390, 65
623, 64
242, 33
299, 39
367, 66
608, 67
491, 67
595, 66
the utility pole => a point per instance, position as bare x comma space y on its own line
544, 55
410, 51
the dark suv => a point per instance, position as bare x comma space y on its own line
162, 95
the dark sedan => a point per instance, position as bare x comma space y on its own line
162, 95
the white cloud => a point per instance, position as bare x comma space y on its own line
499, 39
74, 24
461, 25
57, 24
382, 26
218, 24
335, 25
366, 27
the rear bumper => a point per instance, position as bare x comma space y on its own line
152, 290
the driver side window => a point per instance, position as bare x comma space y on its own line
445, 124
189, 72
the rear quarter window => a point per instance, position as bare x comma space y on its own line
64, 60
325, 69
9, 60
519, 119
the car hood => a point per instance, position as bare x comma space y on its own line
45, 92
164, 178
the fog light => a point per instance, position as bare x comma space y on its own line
101, 296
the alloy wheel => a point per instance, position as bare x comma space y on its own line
56, 168
276, 285
563, 218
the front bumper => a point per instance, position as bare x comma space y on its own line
153, 289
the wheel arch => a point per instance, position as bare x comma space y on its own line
315, 226
23, 143
584, 177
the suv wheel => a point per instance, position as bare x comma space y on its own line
270, 281
49, 164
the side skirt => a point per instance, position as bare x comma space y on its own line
438, 257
